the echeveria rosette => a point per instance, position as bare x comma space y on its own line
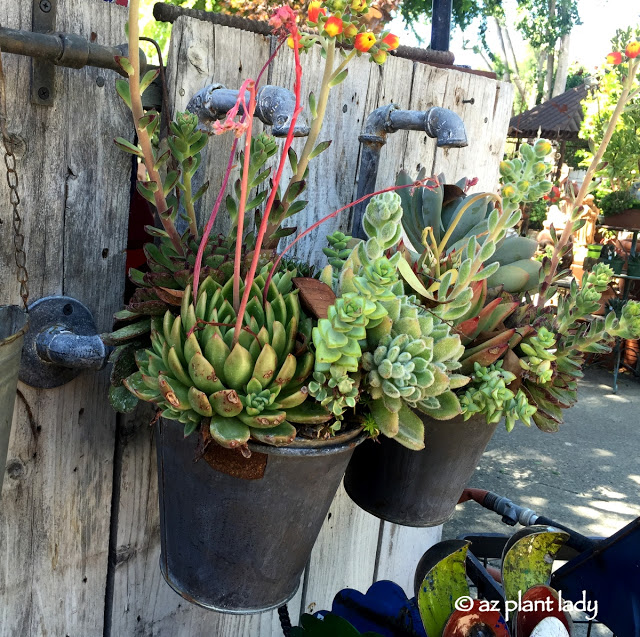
488, 395
412, 368
253, 388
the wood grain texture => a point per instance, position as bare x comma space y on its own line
401, 548
55, 514
344, 555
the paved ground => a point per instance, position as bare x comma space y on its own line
587, 476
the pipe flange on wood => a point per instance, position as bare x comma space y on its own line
61, 342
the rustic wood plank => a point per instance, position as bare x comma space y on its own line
54, 520
344, 555
332, 175
401, 548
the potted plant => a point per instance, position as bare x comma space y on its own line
521, 360
219, 341
633, 265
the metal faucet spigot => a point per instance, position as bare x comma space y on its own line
439, 123
274, 107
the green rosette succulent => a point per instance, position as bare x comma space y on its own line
253, 388
489, 395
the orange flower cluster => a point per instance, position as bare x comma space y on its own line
345, 21
632, 51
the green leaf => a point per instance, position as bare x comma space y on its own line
294, 190
122, 87
162, 160
341, 77
296, 207
257, 200
293, 160
121, 399
322, 146
198, 145
232, 208
149, 77
170, 182
313, 108
146, 191
411, 278
124, 64
200, 191
128, 147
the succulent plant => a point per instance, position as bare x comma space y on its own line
338, 250
253, 388
442, 218
380, 341
489, 395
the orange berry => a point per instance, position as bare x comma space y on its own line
379, 57
350, 30
364, 41
333, 26
315, 9
614, 58
633, 49
392, 42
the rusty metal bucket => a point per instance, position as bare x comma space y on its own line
418, 488
13, 325
238, 545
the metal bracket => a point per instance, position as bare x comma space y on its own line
43, 72
62, 341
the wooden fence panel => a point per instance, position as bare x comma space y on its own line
74, 185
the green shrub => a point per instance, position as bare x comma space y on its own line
618, 201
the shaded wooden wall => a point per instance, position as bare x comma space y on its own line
79, 541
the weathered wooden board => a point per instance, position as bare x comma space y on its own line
55, 510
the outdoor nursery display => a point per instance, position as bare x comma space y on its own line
272, 381
429, 325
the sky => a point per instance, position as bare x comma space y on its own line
590, 42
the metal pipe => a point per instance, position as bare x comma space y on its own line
440, 123
274, 107
61, 346
441, 24
170, 13
64, 49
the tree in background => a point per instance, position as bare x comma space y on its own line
544, 24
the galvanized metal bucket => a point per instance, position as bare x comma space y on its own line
418, 488
13, 325
237, 545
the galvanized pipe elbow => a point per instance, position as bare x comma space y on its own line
274, 107
61, 346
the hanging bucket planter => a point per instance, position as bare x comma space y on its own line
237, 541
13, 325
418, 488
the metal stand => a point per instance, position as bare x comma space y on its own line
617, 350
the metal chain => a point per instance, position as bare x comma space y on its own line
14, 197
